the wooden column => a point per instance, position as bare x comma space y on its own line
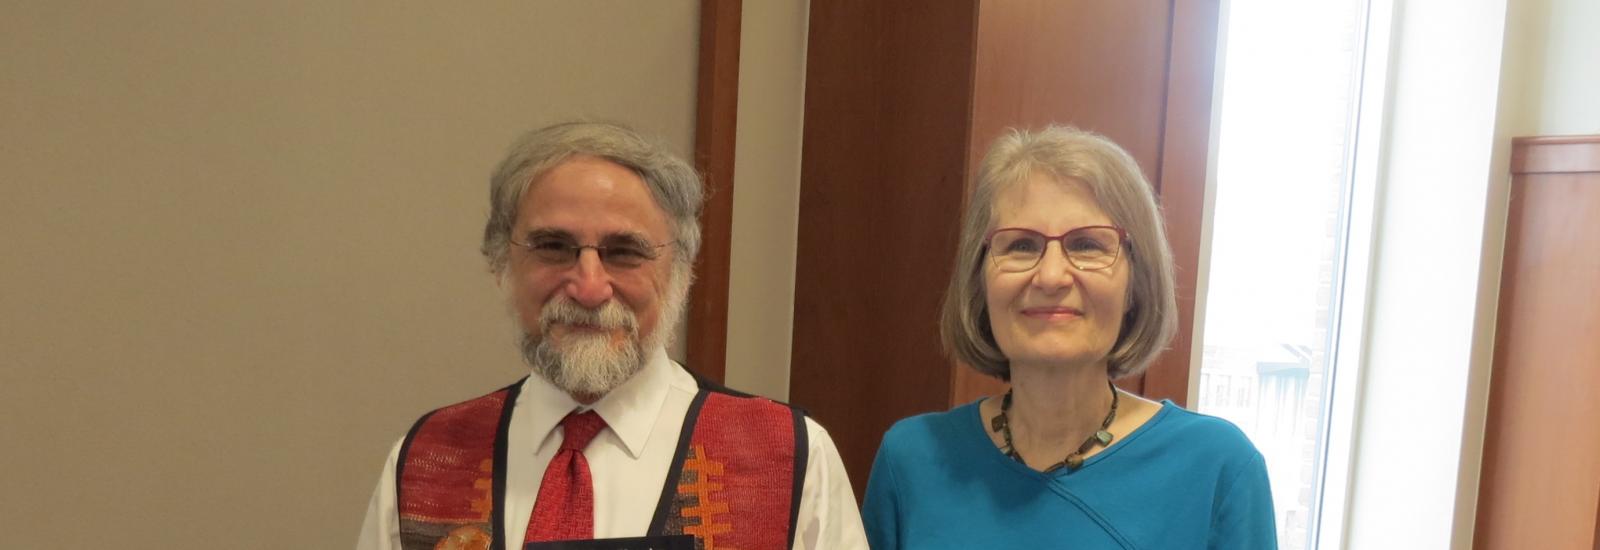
1181, 179
1540, 485
888, 85
715, 134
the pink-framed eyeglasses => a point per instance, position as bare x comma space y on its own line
1089, 248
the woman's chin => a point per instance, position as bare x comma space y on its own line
1057, 359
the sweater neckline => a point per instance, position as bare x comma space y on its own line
973, 419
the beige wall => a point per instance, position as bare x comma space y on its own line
237, 244
766, 197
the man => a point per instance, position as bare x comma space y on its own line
591, 236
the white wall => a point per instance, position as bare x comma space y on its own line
1549, 80
1467, 77
1432, 191
238, 243
1557, 51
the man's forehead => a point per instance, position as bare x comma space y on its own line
590, 197
572, 224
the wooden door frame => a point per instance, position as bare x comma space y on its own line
715, 137
1181, 182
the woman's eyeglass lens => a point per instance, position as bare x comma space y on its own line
1087, 248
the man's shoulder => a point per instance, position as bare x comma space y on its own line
464, 419
713, 387
492, 400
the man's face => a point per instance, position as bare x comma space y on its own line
588, 321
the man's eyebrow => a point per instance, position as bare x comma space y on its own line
547, 233
626, 237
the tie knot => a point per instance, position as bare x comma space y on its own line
578, 429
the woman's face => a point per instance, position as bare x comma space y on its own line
1054, 313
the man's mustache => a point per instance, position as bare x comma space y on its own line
610, 316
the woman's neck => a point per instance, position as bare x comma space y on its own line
1054, 408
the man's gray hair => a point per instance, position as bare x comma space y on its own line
674, 184
1065, 153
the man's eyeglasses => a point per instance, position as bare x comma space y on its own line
620, 252
1088, 248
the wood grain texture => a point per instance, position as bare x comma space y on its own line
1540, 485
1096, 66
882, 169
716, 126
1181, 181
1140, 73
1099, 66
1555, 154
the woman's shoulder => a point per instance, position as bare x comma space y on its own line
1203, 433
933, 429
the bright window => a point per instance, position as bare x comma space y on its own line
1293, 80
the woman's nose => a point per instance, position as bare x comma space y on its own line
1054, 271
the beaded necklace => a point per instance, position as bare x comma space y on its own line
1100, 438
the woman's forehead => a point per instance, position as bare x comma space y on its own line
1042, 198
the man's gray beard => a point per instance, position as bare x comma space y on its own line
587, 363
584, 363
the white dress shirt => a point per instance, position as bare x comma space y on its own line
629, 461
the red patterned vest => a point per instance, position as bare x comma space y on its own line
734, 481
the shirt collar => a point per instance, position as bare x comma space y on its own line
630, 411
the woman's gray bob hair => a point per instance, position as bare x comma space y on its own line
674, 184
1064, 153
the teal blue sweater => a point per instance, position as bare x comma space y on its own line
1182, 480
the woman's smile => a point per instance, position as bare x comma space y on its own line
1053, 313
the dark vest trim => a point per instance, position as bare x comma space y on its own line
710, 385
497, 516
802, 454
707, 384
802, 448
802, 451
669, 486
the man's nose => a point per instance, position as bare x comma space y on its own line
589, 283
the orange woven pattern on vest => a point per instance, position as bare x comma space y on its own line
737, 482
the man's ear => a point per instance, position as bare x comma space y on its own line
500, 280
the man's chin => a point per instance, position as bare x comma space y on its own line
586, 368
567, 337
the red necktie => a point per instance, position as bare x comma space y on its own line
565, 508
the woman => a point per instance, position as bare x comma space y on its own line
1063, 283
